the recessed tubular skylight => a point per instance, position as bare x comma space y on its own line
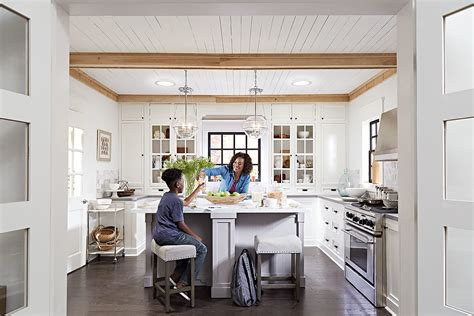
164, 83
302, 83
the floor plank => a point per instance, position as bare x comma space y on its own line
102, 288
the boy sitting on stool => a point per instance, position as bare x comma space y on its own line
170, 228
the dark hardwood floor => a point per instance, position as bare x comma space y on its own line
102, 288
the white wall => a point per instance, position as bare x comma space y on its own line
361, 111
91, 111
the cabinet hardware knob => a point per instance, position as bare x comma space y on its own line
84, 201
335, 211
336, 246
327, 239
335, 227
327, 223
327, 208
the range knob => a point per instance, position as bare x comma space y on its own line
349, 215
355, 219
363, 221
370, 223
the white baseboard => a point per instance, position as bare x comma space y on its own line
332, 256
136, 251
392, 305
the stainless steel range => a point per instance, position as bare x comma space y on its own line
364, 250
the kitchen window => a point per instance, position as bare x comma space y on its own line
222, 146
75, 158
374, 169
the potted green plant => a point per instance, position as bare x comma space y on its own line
190, 169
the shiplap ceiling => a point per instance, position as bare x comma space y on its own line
232, 82
233, 34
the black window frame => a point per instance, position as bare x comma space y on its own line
236, 150
372, 150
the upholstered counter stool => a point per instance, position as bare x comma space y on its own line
168, 254
279, 245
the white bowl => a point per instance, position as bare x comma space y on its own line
356, 192
104, 201
102, 206
303, 134
114, 186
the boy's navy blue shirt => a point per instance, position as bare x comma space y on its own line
170, 211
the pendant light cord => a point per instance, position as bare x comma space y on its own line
185, 97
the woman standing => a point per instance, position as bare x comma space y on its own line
235, 176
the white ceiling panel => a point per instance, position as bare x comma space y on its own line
232, 82
234, 34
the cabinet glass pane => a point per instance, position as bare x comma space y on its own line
156, 146
13, 51
13, 161
309, 147
78, 138
459, 50
459, 264
180, 146
459, 153
77, 162
165, 146
13, 269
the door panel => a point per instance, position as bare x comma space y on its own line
445, 164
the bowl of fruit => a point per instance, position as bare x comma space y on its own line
224, 197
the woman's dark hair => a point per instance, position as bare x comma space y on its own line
171, 176
247, 162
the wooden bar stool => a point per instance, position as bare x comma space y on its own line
169, 254
279, 245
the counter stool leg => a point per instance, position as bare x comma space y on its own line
192, 282
259, 277
297, 275
155, 272
167, 286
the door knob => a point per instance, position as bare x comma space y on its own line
84, 201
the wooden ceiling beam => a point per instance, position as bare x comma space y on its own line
92, 83
293, 98
233, 61
372, 82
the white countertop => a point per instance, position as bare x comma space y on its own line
204, 206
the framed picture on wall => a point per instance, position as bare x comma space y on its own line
104, 145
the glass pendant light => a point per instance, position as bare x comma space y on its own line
255, 126
186, 127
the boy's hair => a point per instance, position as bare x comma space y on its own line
171, 176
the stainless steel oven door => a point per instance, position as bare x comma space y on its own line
360, 251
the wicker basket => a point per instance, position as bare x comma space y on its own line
225, 199
102, 234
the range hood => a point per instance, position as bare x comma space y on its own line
387, 139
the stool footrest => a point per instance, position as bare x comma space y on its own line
277, 278
278, 286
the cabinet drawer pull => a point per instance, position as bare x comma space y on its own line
335, 211
335, 227
327, 239
327, 208
336, 246
327, 223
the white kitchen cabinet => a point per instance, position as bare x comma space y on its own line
132, 153
392, 260
294, 113
132, 111
333, 112
333, 156
293, 156
161, 112
331, 225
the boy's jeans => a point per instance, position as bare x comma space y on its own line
182, 266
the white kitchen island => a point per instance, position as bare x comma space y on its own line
226, 230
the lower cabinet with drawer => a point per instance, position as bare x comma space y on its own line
332, 225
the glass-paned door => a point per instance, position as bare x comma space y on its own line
305, 151
281, 154
75, 158
160, 151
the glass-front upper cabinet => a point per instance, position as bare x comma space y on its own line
304, 154
293, 155
281, 156
160, 151
14, 52
164, 146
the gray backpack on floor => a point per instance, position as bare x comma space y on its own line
244, 283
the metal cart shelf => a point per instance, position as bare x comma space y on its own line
118, 246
